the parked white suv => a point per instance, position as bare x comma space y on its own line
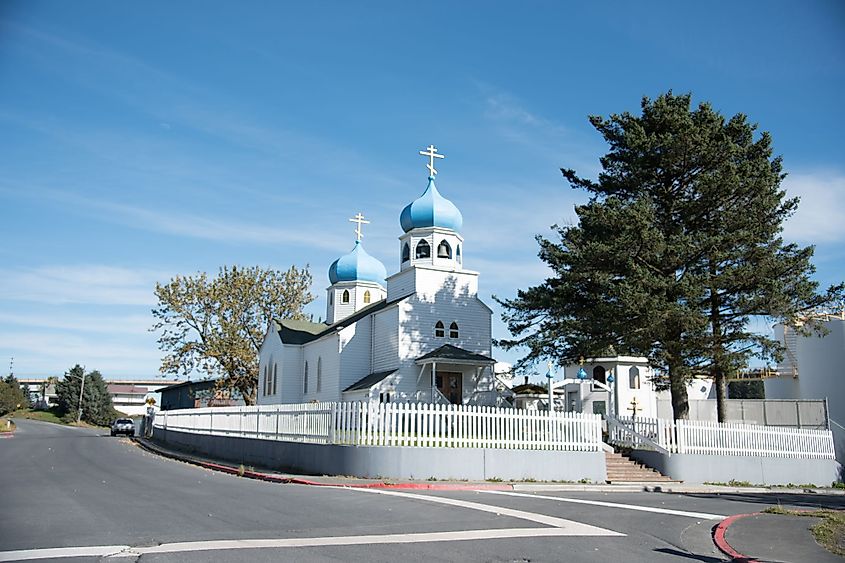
124, 426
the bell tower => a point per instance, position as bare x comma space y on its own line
357, 280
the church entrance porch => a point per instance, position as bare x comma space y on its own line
450, 385
452, 375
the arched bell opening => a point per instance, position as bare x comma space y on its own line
423, 250
444, 250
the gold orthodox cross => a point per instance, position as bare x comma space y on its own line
431, 153
360, 220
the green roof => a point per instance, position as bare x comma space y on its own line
448, 352
301, 332
369, 381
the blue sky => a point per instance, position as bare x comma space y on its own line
143, 140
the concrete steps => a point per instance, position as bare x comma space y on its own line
621, 469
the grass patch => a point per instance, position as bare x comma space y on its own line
794, 486
51, 415
6, 426
829, 533
733, 483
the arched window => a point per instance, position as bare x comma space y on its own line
439, 330
331, 297
265, 380
345, 297
453, 330
406, 253
319, 374
275, 378
423, 250
305, 380
634, 377
444, 250
599, 374
458, 253
367, 296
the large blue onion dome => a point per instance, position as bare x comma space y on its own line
357, 266
431, 210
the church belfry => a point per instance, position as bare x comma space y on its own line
357, 280
431, 224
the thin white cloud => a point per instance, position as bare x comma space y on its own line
215, 228
39, 353
137, 324
92, 284
546, 139
821, 212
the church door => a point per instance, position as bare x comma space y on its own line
450, 383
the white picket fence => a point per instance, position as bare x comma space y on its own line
715, 438
394, 424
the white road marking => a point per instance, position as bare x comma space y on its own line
559, 527
462, 535
55, 552
577, 527
700, 515
120, 551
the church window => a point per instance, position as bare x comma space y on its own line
444, 250
319, 374
345, 297
305, 380
264, 373
275, 377
599, 374
367, 296
406, 253
331, 297
634, 377
458, 253
423, 249
439, 330
453, 330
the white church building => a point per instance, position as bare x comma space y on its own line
420, 334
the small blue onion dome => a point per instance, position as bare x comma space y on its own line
431, 210
357, 266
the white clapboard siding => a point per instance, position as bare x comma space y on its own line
394, 424
723, 438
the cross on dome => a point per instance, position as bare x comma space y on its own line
360, 220
431, 153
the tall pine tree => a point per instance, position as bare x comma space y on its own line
678, 247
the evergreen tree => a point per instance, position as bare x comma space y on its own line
97, 407
678, 247
12, 397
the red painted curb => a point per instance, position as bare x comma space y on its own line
719, 538
270, 477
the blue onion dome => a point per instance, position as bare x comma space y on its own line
431, 210
357, 266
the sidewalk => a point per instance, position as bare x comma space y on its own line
345, 481
771, 538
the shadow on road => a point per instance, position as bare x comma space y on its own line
684, 554
808, 500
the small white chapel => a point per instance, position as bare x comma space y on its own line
420, 334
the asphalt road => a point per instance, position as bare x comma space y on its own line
64, 488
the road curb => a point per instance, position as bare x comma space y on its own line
721, 542
273, 478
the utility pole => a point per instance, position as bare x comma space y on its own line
81, 389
